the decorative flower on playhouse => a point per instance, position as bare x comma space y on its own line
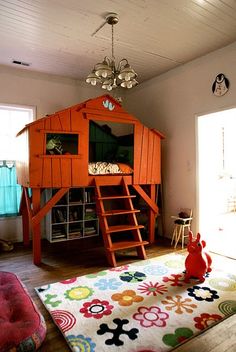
179, 303
96, 309
202, 293
180, 335
206, 320
126, 298
152, 316
152, 289
78, 293
81, 343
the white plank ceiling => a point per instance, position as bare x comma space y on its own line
58, 36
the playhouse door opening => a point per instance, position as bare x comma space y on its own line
111, 142
217, 181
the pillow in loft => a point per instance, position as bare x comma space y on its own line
125, 168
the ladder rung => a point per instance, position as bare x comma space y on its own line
119, 228
120, 212
126, 244
116, 197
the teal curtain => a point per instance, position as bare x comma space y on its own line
10, 191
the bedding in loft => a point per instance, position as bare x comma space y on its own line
107, 168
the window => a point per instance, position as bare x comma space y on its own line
12, 120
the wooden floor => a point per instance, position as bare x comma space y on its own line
74, 258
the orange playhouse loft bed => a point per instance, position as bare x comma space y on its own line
76, 147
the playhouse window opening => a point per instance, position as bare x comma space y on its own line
111, 142
62, 144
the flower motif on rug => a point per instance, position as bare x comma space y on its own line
64, 319
152, 289
69, 281
151, 316
126, 298
132, 276
177, 263
120, 268
96, 274
78, 293
176, 279
180, 335
157, 270
81, 343
181, 304
96, 309
223, 284
203, 293
205, 320
117, 332
108, 284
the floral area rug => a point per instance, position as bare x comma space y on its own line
144, 306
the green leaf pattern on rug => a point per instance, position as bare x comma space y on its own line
180, 335
49, 301
78, 293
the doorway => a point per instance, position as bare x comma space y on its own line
217, 180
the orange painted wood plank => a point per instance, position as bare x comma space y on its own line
36, 230
47, 125
64, 117
56, 123
75, 173
109, 116
56, 173
156, 161
151, 157
152, 216
48, 206
47, 173
144, 157
36, 147
66, 172
138, 136
77, 121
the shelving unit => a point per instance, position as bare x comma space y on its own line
74, 216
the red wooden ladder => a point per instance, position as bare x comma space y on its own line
129, 235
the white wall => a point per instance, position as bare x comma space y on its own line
170, 104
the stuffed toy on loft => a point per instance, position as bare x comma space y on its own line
197, 262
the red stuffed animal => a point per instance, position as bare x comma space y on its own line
197, 263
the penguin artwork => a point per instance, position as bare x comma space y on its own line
220, 85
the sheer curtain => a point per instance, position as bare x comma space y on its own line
12, 120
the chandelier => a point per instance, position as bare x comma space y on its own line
107, 73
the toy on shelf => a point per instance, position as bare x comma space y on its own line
197, 262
